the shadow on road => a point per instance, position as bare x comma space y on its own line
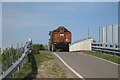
34, 71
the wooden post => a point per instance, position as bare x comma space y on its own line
12, 75
18, 68
12, 45
22, 64
17, 46
21, 44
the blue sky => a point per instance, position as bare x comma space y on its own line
21, 20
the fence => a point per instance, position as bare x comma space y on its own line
19, 63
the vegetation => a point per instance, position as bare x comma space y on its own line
0, 56
104, 56
58, 50
10, 56
38, 47
41, 65
0, 50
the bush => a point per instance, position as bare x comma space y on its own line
38, 47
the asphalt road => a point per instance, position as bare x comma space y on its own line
88, 66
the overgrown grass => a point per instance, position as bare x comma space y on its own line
30, 69
104, 56
43, 56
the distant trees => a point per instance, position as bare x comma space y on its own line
38, 47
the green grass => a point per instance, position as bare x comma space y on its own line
104, 56
35, 62
42, 57
29, 69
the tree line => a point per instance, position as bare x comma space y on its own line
38, 47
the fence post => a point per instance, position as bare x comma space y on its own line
21, 44
17, 46
13, 74
22, 64
18, 68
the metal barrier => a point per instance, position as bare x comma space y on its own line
19, 63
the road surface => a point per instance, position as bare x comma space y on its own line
87, 66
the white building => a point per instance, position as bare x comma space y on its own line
110, 34
109, 40
82, 45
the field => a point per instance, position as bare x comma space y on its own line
41, 65
108, 57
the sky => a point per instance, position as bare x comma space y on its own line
0, 25
23, 20
60, 0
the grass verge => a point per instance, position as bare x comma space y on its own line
108, 57
41, 65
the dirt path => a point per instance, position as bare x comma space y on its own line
51, 69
